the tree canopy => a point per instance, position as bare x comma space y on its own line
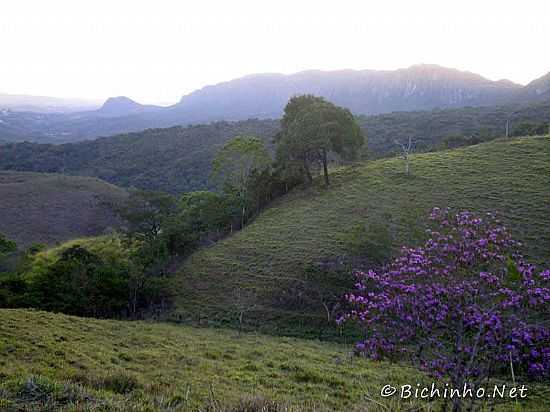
236, 164
311, 129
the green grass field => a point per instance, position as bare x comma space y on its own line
51, 362
296, 252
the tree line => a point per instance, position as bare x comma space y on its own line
132, 275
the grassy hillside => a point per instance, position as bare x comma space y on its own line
181, 364
292, 261
52, 362
49, 208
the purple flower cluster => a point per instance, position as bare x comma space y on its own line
464, 305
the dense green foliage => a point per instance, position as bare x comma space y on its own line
6, 245
531, 129
430, 128
81, 283
102, 277
312, 129
294, 259
178, 159
234, 169
174, 160
54, 362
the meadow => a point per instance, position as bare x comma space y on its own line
53, 362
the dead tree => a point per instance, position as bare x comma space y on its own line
406, 150
243, 302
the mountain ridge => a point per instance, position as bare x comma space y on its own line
263, 96
361, 91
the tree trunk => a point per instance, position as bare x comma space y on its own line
308, 173
325, 167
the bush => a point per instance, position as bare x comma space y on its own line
374, 237
120, 382
99, 277
464, 305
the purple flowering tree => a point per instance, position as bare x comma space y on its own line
464, 306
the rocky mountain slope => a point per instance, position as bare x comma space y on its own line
364, 92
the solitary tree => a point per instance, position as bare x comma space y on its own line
243, 302
234, 166
312, 128
406, 150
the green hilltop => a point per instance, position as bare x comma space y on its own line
287, 269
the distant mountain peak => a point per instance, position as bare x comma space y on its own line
119, 102
122, 106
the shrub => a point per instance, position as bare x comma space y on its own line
120, 382
464, 305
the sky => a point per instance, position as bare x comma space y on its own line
157, 51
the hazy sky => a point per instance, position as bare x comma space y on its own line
155, 51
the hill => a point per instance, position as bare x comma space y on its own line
364, 92
49, 208
53, 362
537, 90
121, 106
178, 159
175, 159
290, 266
181, 364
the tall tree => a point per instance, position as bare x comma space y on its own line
235, 165
144, 212
312, 128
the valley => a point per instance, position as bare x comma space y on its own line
370, 209
277, 242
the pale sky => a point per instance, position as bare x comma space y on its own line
156, 51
